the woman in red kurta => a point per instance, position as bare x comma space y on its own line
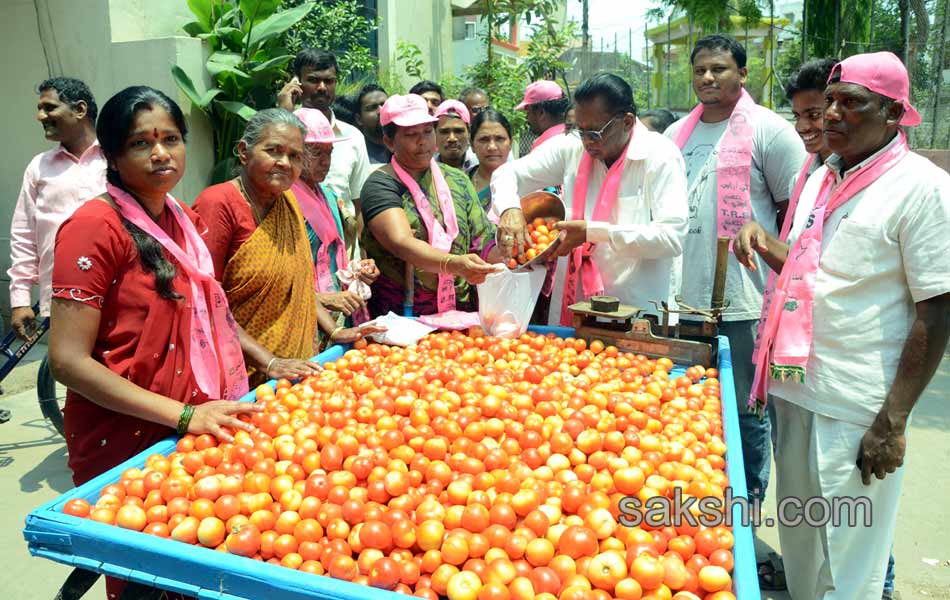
139, 334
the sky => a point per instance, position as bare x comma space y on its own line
609, 17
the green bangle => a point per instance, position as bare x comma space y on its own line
185, 419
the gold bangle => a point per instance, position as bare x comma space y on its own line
336, 331
444, 265
267, 369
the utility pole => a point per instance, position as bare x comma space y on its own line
585, 31
870, 47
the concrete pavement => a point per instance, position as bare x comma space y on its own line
33, 470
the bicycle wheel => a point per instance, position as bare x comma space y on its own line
46, 393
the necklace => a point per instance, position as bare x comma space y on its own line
257, 217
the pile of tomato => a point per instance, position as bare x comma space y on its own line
466, 467
543, 233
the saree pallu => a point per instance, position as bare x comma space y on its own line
269, 283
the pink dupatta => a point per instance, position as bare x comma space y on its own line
733, 167
440, 237
787, 336
783, 235
581, 264
549, 133
215, 347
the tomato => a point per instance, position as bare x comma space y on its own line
77, 507
385, 574
607, 569
577, 541
713, 578
463, 585
132, 517
211, 532
244, 540
186, 531
648, 571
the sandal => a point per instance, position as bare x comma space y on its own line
772, 574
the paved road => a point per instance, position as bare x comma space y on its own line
33, 470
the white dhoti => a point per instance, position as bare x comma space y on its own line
815, 458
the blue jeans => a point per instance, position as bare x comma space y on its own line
889, 578
756, 433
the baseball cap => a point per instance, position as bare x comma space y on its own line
453, 106
405, 111
540, 91
319, 130
880, 72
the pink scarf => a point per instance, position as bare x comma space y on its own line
787, 336
215, 347
580, 263
733, 167
313, 205
439, 238
316, 210
783, 235
549, 133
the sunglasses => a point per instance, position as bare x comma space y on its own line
593, 135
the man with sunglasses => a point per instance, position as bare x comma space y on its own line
741, 161
624, 192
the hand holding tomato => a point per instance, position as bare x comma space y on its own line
212, 417
882, 448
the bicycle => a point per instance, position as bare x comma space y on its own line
45, 384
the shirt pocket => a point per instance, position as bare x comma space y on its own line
854, 251
633, 208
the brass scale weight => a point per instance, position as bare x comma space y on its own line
691, 342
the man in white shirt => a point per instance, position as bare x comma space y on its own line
731, 125
55, 184
314, 85
631, 237
868, 275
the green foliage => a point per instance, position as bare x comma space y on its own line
411, 57
246, 62
548, 43
338, 26
505, 81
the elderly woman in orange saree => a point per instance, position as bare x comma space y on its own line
261, 253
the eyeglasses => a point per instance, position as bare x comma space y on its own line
593, 135
478, 109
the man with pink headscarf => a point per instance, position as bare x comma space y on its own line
856, 327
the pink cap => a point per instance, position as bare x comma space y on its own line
449, 107
319, 130
880, 72
405, 111
540, 91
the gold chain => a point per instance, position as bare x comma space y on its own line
257, 217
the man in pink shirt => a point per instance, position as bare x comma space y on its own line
55, 183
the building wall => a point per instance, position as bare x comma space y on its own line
109, 44
425, 23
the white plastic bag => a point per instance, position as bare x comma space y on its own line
506, 301
400, 331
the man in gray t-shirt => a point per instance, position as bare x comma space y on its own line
719, 73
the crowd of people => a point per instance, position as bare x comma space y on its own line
838, 288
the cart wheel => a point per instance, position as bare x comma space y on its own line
46, 393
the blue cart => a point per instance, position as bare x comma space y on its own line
206, 574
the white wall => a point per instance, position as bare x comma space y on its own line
425, 23
109, 44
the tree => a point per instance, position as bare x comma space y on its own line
338, 26
246, 61
548, 43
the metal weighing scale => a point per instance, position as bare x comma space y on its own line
692, 342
